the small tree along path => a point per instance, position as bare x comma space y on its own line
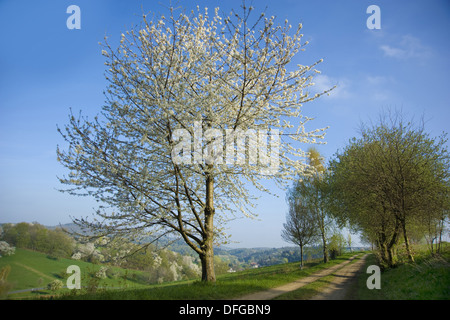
338, 285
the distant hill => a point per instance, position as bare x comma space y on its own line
70, 227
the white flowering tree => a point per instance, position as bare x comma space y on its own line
187, 87
6, 249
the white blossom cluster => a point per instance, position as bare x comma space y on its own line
6, 249
175, 269
87, 250
77, 256
157, 260
101, 273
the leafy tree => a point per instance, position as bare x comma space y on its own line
349, 242
59, 243
174, 79
312, 189
300, 227
387, 181
19, 235
335, 244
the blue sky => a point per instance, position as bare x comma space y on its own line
45, 69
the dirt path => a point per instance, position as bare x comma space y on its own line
339, 287
274, 292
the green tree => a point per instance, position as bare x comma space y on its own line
21, 235
335, 244
300, 227
387, 181
313, 186
349, 242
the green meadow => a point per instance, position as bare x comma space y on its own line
428, 278
34, 270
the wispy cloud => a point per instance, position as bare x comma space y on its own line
393, 52
378, 88
323, 83
408, 47
379, 80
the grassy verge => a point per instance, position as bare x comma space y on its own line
227, 286
426, 279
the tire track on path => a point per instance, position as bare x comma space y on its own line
275, 292
339, 287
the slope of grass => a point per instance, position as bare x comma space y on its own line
428, 278
30, 269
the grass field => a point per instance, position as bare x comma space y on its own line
30, 269
426, 279
35, 270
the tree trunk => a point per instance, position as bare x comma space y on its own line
325, 249
207, 255
207, 260
383, 252
408, 250
323, 235
391, 257
440, 230
301, 257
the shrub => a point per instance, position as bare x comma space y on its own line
101, 273
55, 285
77, 256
